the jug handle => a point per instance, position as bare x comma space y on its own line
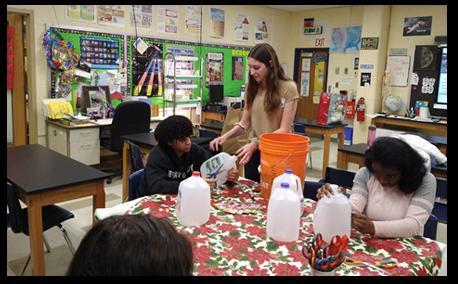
299, 187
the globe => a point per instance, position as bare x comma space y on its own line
393, 103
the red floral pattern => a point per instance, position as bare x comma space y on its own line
238, 244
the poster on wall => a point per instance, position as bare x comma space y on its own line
141, 16
369, 43
365, 79
237, 68
214, 75
217, 20
261, 32
81, 12
146, 70
305, 82
192, 19
241, 27
310, 28
417, 26
167, 19
398, 70
345, 40
112, 15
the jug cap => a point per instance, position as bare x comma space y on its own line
196, 174
284, 185
288, 171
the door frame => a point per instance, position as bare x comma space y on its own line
31, 79
297, 62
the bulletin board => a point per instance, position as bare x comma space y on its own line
232, 84
98, 48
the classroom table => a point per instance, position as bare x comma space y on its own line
237, 244
410, 123
42, 177
355, 154
326, 130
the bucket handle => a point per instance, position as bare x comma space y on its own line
279, 163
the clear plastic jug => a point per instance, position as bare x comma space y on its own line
219, 165
295, 184
332, 215
193, 201
283, 217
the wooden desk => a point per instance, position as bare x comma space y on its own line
388, 122
210, 115
43, 177
326, 130
146, 142
355, 154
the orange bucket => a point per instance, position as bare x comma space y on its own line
280, 151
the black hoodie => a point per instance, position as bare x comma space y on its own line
164, 170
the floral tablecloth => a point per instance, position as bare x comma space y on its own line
237, 244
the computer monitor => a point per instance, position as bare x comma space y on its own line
439, 107
215, 94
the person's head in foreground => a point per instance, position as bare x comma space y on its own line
132, 245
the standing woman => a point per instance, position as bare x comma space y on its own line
270, 106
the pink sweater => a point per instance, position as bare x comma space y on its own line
394, 213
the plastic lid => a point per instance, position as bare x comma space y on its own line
196, 174
288, 171
372, 127
284, 185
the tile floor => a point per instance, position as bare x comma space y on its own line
58, 260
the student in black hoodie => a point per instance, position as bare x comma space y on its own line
175, 158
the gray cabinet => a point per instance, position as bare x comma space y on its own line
81, 143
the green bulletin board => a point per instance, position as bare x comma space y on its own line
231, 87
74, 36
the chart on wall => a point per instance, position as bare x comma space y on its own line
100, 61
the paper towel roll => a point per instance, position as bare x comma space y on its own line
424, 112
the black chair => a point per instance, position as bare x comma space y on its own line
134, 184
430, 229
135, 157
53, 215
130, 117
440, 206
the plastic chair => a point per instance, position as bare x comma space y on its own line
340, 177
135, 156
53, 215
440, 208
430, 229
134, 184
130, 117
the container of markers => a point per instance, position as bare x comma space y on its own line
316, 272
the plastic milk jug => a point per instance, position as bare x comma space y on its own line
294, 182
219, 164
283, 217
193, 201
332, 215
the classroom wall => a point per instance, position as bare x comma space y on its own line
396, 40
285, 31
277, 22
330, 18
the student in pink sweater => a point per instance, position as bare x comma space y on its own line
393, 195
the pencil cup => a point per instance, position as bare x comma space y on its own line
323, 273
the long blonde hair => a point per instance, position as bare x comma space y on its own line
265, 53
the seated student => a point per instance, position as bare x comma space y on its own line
393, 195
132, 245
175, 158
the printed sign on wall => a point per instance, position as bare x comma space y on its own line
369, 43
